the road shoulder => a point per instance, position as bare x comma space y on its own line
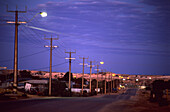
138, 103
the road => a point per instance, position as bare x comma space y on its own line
64, 104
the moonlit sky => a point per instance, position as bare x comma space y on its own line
130, 36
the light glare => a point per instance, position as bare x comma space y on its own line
101, 63
43, 14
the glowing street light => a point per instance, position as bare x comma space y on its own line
113, 75
43, 14
101, 62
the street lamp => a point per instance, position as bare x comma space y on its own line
98, 73
43, 14
101, 62
17, 23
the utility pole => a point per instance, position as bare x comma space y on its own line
90, 74
83, 75
70, 68
97, 77
51, 46
105, 83
109, 90
102, 81
111, 83
17, 23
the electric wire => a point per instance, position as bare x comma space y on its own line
24, 56
52, 66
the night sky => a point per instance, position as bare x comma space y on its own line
129, 36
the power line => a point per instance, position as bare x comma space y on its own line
34, 54
52, 66
35, 33
30, 39
25, 56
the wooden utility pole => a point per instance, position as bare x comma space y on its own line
17, 23
83, 75
70, 68
97, 78
102, 81
51, 46
111, 83
90, 74
109, 86
105, 83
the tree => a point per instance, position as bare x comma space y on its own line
157, 89
58, 88
79, 81
116, 83
25, 74
55, 76
10, 76
2, 78
39, 73
94, 83
66, 76
93, 86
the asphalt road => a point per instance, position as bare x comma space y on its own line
64, 104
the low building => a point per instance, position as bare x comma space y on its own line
34, 86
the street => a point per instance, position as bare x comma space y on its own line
64, 104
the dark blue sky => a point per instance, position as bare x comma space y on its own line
130, 36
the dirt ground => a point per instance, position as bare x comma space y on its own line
138, 103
